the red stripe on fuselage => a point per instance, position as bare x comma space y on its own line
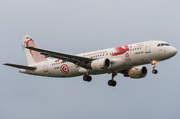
120, 50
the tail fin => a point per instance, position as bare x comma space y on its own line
32, 56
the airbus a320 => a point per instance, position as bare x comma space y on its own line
126, 60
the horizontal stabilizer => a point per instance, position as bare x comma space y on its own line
21, 66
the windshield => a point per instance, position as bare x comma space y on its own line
162, 44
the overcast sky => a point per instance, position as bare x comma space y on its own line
75, 26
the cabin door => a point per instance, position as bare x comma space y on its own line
148, 47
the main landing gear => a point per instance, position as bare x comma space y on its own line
154, 71
87, 78
112, 82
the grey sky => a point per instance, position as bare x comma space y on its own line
75, 26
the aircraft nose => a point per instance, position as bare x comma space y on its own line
173, 51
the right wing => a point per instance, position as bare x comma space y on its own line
21, 66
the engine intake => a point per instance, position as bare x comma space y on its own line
101, 64
137, 72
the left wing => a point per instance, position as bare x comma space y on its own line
21, 66
78, 60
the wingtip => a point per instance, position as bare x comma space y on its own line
7, 64
23, 47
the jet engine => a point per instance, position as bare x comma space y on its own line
101, 64
137, 72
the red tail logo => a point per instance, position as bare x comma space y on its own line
35, 55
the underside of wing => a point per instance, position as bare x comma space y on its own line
78, 60
21, 66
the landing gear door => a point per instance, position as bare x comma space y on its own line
148, 47
45, 67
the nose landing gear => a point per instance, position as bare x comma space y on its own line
154, 71
112, 82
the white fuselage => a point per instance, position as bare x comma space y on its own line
121, 58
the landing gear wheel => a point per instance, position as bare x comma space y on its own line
112, 83
155, 71
87, 78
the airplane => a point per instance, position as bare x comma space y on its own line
126, 60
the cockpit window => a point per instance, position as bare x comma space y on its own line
163, 44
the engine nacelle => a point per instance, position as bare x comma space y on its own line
101, 64
137, 72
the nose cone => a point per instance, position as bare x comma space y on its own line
173, 51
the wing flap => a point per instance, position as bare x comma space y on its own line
21, 66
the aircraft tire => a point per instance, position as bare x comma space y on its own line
155, 71
87, 78
112, 83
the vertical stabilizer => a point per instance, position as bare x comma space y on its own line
32, 56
